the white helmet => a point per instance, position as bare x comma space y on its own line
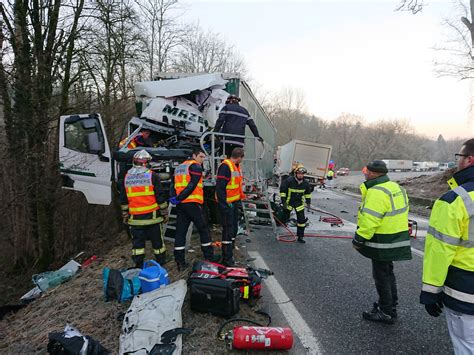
141, 158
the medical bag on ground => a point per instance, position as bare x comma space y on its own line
248, 279
153, 276
121, 285
217, 296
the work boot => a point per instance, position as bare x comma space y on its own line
393, 313
182, 265
301, 240
229, 262
161, 259
377, 315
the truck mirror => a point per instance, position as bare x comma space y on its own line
94, 144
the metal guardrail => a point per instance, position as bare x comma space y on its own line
215, 160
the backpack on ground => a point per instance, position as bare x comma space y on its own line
121, 285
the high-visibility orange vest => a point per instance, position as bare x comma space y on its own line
234, 186
140, 193
182, 178
132, 144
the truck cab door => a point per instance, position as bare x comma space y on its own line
84, 157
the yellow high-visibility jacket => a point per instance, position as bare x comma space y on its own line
448, 263
382, 224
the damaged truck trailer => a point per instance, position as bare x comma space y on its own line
180, 110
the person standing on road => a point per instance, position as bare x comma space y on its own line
448, 262
382, 235
229, 193
232, 120
294, 192
187, 195
144, 208
330, 176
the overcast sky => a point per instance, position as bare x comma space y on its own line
350, 56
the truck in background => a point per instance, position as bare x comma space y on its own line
398, 165
178, 113
315, 158
447, 166
425, 166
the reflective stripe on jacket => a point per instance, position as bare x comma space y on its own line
382, 224
234, 185
295, 193
182, 178
140, 193
448, 263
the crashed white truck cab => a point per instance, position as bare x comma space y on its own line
177, 112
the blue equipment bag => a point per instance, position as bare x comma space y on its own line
153, 276
121, 285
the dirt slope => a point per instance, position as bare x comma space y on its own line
80, 303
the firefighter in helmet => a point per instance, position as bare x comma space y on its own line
295, 191
229, 194
187, 195
144, 208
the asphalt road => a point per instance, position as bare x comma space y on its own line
330, 285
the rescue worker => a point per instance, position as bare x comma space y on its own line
229, 193
294, 192
330, 177
382, 235
448, 262
188, 195
232, 120
142, 139
144, 208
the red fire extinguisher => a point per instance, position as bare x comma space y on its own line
260, 338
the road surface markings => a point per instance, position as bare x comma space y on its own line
294, 318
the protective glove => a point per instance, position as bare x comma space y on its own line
260, 139
174, 201
434, 309
125, 217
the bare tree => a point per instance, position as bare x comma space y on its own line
413, 6
39, 37
161, 32
207, 52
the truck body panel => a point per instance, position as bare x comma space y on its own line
314, 156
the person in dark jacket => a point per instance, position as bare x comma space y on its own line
232, 120
294, 192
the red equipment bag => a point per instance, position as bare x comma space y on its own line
248, 279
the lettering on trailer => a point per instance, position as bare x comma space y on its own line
185, 114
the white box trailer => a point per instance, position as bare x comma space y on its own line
314, 156
398, 165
